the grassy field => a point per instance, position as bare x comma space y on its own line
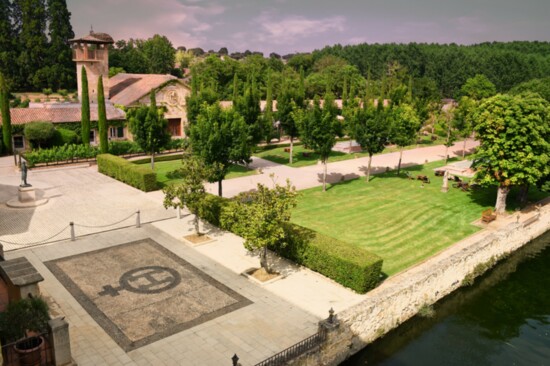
395, 217
165, 171
278, 155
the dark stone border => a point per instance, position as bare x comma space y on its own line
112, 329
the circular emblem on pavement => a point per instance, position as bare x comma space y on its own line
145, 280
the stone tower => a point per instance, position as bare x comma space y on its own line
92, 52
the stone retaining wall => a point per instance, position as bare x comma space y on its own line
403, 295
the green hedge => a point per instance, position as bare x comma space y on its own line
346, 264
138, 176
60, 154
211, 209
158, 158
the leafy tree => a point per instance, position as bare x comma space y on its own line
160, 54
149, 128
446, 118
514, 134
198, 97
248, 106
370, 129
60, 66
288, 102
260, 217
115, 70
5, 113
7, 37
404, 127
189, 191
267, 128
318, 129
85, 110
39, 133
464, 119
220, 138
478, 87
102, 118
539, 86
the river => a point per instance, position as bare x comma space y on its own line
502, 319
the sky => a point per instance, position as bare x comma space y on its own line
289, 26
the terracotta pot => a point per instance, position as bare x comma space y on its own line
30, 351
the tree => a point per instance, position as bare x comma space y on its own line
463, 120
160, 54
514, 150
7, 37
102, 118
404, 127
248, 106
220, 138
260, 217
318, 129
149, 128
39, 133
539, 86
85, 111
287, 103
370, 129
5, 113
478, 87
447, 116
60, 67
189, 190
267, 128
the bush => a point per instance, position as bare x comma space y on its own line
39, 133
138, 176
347, 264
158, 159
124, 148
211, 208
65, 153
62, 136
47, 91
63, 92
177, 144
25, 103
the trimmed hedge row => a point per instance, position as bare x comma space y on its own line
346, 264
349, 265
158, 158
138, 176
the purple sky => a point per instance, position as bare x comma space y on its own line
286, 26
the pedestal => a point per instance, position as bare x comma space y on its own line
26, 197
26, 194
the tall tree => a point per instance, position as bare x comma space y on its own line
7, 37
464, 119
85, 109
149, 128
404, 127
248, 106
267, 128
102, 118
5, 112
189, 190
160, 54
261, 217
220, 138
318, 129
478, 87
370, 129
514, 150
60, 66
33, 41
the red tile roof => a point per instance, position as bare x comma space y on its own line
60, 113
127, 89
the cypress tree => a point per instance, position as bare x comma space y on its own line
85, 102
6, 118
6, 36
59, 52
268, 114
102, 118
33, 43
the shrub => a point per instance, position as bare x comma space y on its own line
138, 176
15, 103
347, 264
63, 92
177, 144
37, 100
39, 133
47, 91
124, 148
211, 208
158, 159
25, 103
60, 154
62, 136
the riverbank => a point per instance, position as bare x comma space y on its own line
402, 296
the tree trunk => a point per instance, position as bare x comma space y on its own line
368, 168
464, 149
500, 206
152, 161
291, 149
263, 259
522, 196
324, 175
400, 157
196, 223
446, 153
220, 187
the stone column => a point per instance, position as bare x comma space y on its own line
445, 187
61, 342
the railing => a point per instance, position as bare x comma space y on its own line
42, 356
294, 351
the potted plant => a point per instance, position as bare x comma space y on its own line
21, 324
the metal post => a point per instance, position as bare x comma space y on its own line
235, 359
73, 237
138, 219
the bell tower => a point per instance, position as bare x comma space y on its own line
92, 52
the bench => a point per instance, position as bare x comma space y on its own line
287, 149
488, 215
439, 173
531, 220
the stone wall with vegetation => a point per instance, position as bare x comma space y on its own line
403, 295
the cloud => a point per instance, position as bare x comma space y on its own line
293, 28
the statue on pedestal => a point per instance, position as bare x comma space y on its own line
24, 175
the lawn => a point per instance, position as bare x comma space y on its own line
395, 217
165, 171
278, 155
